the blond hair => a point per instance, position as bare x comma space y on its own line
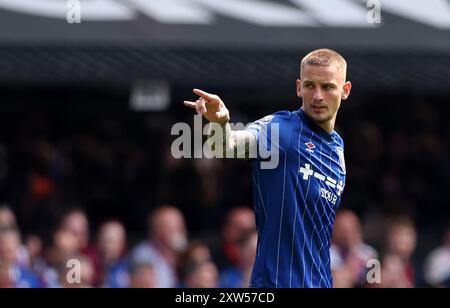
325, 57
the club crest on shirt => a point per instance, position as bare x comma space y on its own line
310, 147
340, 152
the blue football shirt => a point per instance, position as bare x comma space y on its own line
295, 203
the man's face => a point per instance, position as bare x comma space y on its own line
347, 230
78, 224
241, 220
169, 229
322, 88
111, 241
9, 246
402, 241
7, 218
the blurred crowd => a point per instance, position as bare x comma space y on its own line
168, 257
105, 191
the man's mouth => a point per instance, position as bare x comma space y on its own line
318, 107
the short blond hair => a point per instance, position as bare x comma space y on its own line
324, 57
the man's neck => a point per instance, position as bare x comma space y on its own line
327, 126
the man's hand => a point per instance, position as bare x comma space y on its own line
238, 143
210, 106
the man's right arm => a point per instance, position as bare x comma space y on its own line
240, 144
233, 144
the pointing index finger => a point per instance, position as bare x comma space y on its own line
205, 95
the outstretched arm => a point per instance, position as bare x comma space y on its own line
211, 107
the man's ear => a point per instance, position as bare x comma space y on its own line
299, 88
346, 90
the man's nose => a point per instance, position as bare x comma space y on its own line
318, 95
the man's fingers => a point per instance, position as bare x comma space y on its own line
221, 114
205, 95
201, 105
197, 107
190, 104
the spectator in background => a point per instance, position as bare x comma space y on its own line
21, 277
65, 245
142, 275
76, 221
397, 267
7, 217
238, 222
112, 246
68, 277
348, 253
196, 253
437, 264
34, 247
239, 276
393, 274
167, 238
203, 274
8, 220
